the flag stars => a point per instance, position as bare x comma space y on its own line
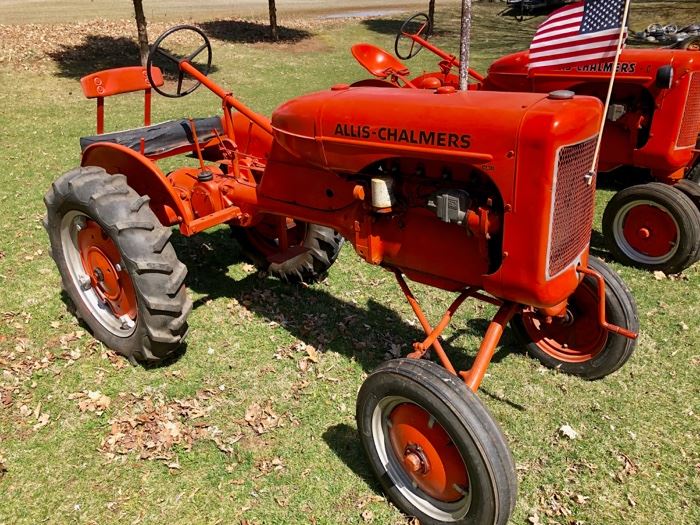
599, 15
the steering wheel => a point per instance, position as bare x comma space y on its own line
171, 59
416, 26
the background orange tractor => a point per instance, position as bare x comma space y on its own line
486, 195
651, 129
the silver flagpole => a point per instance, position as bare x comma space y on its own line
610, 88
464, 44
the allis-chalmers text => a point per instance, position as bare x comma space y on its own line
407, 136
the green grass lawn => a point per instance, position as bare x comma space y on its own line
257, 432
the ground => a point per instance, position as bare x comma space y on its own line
254, 421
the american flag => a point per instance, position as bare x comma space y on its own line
586, 31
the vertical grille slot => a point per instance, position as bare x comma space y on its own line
572, 206
690, 125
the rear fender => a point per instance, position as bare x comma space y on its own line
143, 176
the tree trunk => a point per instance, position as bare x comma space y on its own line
431, 14
273, 20
143, 34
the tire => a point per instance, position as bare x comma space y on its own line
402, 400
694, 173
322, 244
577, 344
653, 226
691, 189
117, 264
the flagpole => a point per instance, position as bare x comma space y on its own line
620, 40
466, 30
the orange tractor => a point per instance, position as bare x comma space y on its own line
485, 195
652, 126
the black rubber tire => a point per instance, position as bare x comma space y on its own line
691, 189
694, 173
471, 427
620, 309
323, 247
157, 275
677, 204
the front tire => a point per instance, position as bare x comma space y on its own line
436, 450
117, 264
577, 344
653, 226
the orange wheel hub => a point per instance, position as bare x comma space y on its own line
575, 337
101, 262
428, 454
650, 230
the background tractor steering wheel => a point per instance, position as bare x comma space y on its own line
173, 61
417, 25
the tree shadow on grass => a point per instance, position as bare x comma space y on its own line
95, 53
311, 314
385, 26
98, 52
243, 31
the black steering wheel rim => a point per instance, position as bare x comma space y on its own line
424, 31
156, 49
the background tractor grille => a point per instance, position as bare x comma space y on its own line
690, 127
572, 210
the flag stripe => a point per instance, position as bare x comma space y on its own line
560, 31
611, 44
560, 13
575, 38
592, 57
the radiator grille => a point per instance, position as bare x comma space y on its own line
690, 126
572, 206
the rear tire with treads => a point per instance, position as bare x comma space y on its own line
322, 245
145, 258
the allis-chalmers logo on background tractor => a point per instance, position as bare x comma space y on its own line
421, 137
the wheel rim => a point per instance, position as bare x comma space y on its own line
264, 235
646, 232
577, 336
421, 459
95, 267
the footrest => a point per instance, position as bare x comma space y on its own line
160, 138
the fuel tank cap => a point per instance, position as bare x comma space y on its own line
561, 94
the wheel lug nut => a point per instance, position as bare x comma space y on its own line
85, 282
127, 322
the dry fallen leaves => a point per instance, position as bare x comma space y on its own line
629, 468
261, 419
92, 401
150, 427
3, 467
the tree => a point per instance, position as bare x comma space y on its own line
141, 28
431, 14
273, 20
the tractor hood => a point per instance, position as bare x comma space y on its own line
349, 128
638, 66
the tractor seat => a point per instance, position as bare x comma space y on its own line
377, 61
162, 138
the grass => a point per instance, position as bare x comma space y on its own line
636, 460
